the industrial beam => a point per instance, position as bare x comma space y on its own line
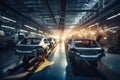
102, 14
63, 15
51, 12
19, 13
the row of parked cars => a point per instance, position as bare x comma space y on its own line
84, 50
34, 47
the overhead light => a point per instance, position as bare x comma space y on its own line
40, 31
7, 27
23, 30
33, 33
30, 27
113, 16
8, 19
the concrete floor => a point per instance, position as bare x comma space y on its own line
112, 61
56, 66
59, 69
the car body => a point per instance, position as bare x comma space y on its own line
52, 42
32, 47
85, 49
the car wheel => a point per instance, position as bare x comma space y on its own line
72, 61
25, 59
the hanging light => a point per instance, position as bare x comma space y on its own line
7, 27
30, 27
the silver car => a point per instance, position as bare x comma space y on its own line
32, 47
85, 49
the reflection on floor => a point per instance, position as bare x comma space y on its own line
56, 66
57, 69
44, 65
112, 61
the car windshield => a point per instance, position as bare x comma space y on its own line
31, 41
49, 39
86, 43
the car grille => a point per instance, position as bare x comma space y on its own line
25, 48
87, 52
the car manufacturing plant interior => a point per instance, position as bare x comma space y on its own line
59, 39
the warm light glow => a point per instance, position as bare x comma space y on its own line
44, 65
101, 31
105, 38
93, 33
17, 75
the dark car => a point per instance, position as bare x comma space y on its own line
85, 49
32, 47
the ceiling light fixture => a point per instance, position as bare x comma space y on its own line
21, 30
7, 27
3, 17
33, 33
30, 27
40, 31
113, 16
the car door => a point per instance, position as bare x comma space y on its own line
46, 43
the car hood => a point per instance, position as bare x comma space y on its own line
26, 47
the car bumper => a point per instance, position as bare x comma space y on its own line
27, 53
96, 57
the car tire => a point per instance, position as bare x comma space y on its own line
72, 61
25, 59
